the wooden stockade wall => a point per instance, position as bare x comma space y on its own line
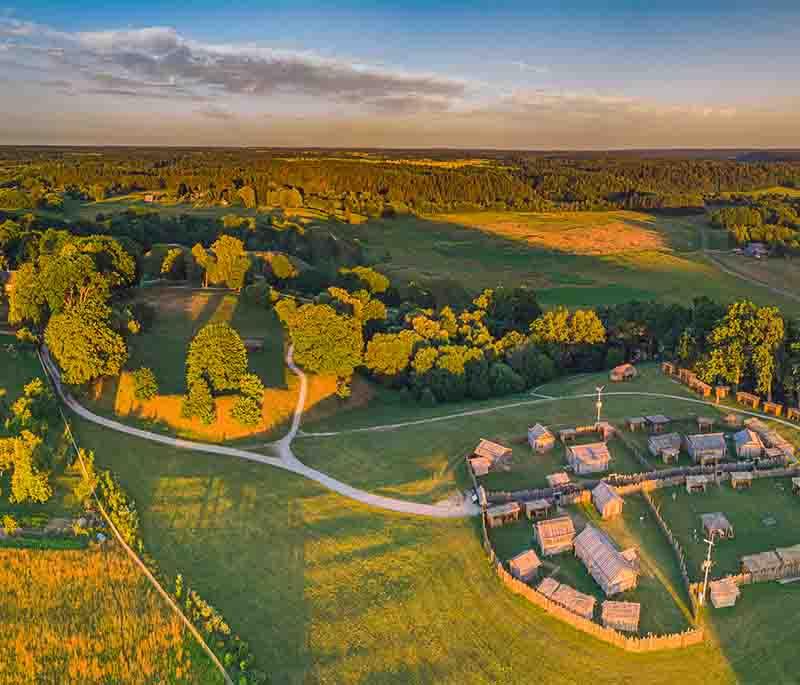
650, 643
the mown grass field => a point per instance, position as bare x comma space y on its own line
775, 272
749, 511
575, 259
90, 617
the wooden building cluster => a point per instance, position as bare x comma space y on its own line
689, 378
487, 456
775, 445
614, 571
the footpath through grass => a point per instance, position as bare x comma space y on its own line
330, 591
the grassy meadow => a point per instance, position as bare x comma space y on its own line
90, 617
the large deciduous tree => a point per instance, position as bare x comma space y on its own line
218, 356
227, 262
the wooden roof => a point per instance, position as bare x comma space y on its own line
724, 593
665, 441
555, 530
525, 563
539, 431
657, 419
548, 586
593, 454
604, 494
765, 561
789, 555
480, 465
536, 504
503, 509
608, 566
716, 521
707, 441
575, 601
621, 612
491, 450
554, 480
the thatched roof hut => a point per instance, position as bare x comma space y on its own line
621, 615
555, 535
540, 438
606, 500
717, 524
748, 444
592, 458
723, 593
623, 372
613, 572
706, 447
525, 565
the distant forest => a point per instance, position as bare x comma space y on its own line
376, 182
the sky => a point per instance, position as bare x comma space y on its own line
574, 74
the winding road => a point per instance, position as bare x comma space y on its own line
285, 458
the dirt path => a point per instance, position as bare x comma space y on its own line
283, 448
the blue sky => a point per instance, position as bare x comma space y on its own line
467, 74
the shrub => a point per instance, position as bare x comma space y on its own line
10, 525
145, 384
199, 403
246, 411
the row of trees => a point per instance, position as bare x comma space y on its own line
771, 220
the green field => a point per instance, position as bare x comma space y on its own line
748, 511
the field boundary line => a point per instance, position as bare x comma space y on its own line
132, 555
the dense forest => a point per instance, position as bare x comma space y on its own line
377, 182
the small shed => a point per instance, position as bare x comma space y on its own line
540, 438
701, 387
707, 448
705, 423
748, 399
606, 500
773, 408
763, 566
548, 587
480, 466
567, 434
491, 450
793, 413
741, 480
612, 571
721, 392
748, 444
696, 484
555, 535
733, 420
623, 372
621, 615
524, 566
723, 593
500, 514
717, 524
592, 458
574, 601
668, 368
657, 423
537, 508
635, 423
558, 480
658, 443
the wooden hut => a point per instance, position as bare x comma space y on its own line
790, 558
703, 388
623, 372
723, 593
741, 480
622, 616
763, 566
732, 419
536, 508
491, 450
793, 413
540, 438
796, 486
606, 500
657, 423
717, 524
695, 484
635, 423
748, 399
705, 423
548, 587
773, 408
567, 434
500, 514
748, 444
558, 480
658, 443
613, 572
668, 368
592, 458
574, 601
605, 430
721, 392
480, 466
524, 566
706, 448
555, 535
